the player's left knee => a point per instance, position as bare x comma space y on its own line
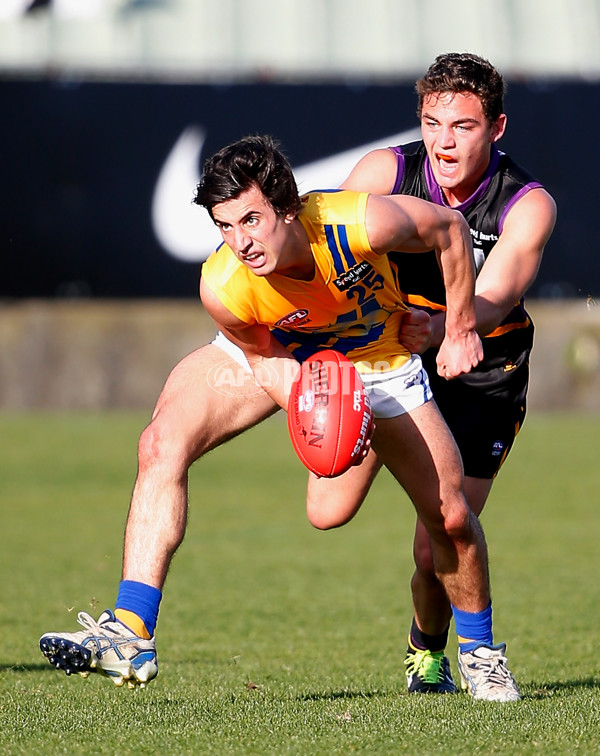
457, 522
324, 518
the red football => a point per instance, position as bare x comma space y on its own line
329, 414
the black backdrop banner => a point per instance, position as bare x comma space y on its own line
98, 178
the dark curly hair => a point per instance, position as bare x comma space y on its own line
464, 72
251, 161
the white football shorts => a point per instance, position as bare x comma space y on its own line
391, 392
231, 349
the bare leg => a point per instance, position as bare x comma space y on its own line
420, 452
431, 606
191, 418
207, 399
332, 502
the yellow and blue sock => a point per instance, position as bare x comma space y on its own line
473, 628
137, 607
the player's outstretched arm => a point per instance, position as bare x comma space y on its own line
408, 224
273, 366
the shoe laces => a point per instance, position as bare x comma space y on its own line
495, 669
87, 621
94, 626
426, 664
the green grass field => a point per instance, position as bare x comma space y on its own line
278, 639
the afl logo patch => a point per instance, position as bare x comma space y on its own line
293, 318
497, 448
306, 402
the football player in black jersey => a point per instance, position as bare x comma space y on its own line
511, 216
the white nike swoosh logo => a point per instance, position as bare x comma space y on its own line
186, 231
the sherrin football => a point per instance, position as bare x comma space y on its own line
329, 414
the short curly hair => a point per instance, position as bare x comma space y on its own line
464, 72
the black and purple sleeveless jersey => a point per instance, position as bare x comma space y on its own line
486, 407
503, 184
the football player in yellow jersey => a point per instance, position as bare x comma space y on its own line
272, 252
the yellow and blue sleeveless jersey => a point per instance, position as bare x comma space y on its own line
353, 304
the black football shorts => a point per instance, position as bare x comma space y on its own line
484, 410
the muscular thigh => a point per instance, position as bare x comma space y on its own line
209, 398
420, 452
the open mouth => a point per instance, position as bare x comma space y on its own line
447, 165
447, 159
254, 259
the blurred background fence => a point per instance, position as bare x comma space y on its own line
110, 106
313, 38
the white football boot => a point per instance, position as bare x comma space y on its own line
106, 646
485, 675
